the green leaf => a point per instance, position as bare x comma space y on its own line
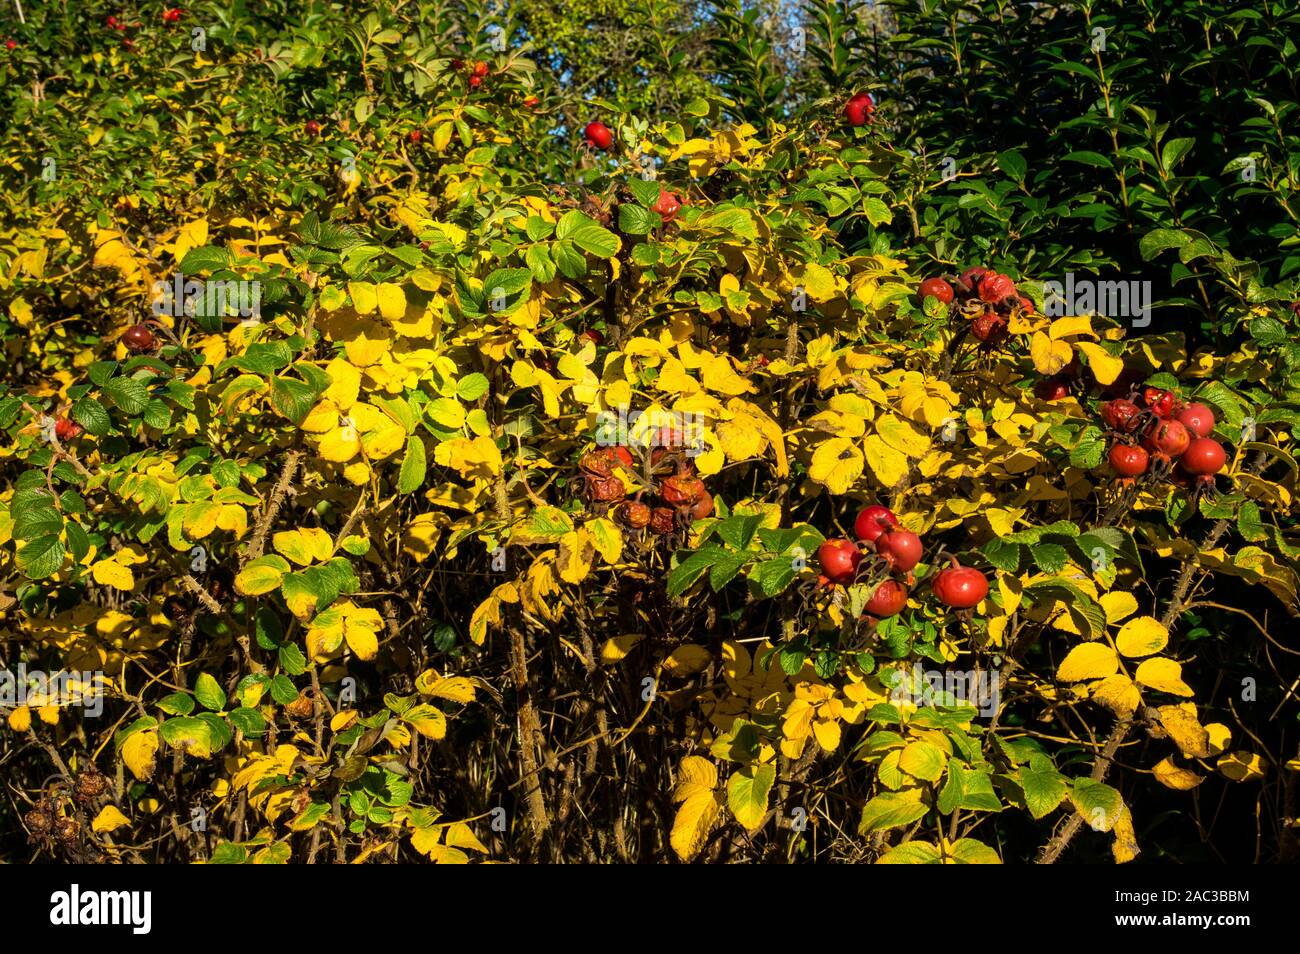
283, 690
692, 568
1098, 803
207, 258
507, 281
1088, 158
129, 394
635, 220
190, 733
472, 387
540, 263
178, 703
261, 575
890, 810
413, 469
548, 523
36, 522
1159, 240
248, 721
209, 693
773, 576
747, 794
725, 569
92, 416
41, 557
912, 853
292, 659
645, 190
969, 851
292, 398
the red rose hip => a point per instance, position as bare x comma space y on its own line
138, 339
937, 287
873, 521
1198, 419
888, 600
900, 548
1204, 457
839, 560
598, 135
1128, 460
960, 587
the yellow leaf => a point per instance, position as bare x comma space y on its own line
1049, 355
20, 720
1071, 325
1241, 766
695, 774
1172, 776
719, 374
392, 301
1088, 661
888, 465
819, 282
1118, 693
427, 720
109, 819
1218, 737
455, 688
360, 628
617, 648
294, 545
1141, 636
1185, 729
694, 820
687, 660
1105, 366
341, 444
459, 835
1118, 605
111, 573
139, 752
1164, 674
345, 384
827, 733
364, 297
606, 537
1125, 847
343, 720
837, 463
902, 436
740, 439
574, 559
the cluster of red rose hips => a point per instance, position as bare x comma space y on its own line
985, 298
1163, 430
883, 550
681, 498
477, 73
859, 108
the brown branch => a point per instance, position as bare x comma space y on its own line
529, 732
257, 545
